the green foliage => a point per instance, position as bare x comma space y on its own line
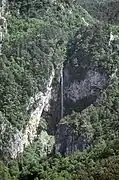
13, 169
38, 34
103, 10
4, 172
79, 124
90, 46
99, 162
26, 65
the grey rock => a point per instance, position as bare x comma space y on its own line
69, 138
82, 86
93, 82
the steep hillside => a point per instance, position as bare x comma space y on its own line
32, 53
59, 90
104, 10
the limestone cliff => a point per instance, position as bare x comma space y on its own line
14, 141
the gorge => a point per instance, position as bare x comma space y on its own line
59, 91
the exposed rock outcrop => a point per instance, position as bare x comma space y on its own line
14, 141
82, 83
47, 143
80, 93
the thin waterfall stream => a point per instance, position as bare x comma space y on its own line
62, 94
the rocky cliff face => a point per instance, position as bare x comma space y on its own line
84, 79
14, 141
84, 82
79, 92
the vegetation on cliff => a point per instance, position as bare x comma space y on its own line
42, 34
34, 44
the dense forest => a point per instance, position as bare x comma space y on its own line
84, 37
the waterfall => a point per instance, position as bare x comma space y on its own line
61, 88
